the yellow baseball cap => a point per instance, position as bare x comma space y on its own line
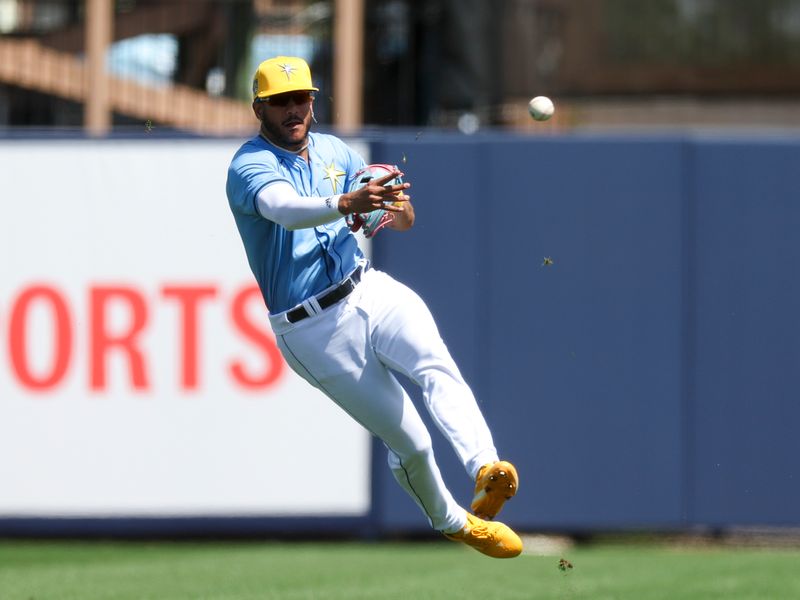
280, 75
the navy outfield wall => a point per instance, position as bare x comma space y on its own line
649, 376
744, 404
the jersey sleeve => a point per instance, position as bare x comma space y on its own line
354, 163
250, 171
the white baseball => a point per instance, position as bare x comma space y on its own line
541, 108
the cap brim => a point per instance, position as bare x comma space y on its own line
286, 90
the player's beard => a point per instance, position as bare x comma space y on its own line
281, 135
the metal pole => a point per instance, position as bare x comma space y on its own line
99, 27
348, 64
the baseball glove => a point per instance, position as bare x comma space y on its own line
372, 222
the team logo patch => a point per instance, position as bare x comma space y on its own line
287, 70
333, 173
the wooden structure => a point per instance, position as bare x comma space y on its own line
28, 64
69, 61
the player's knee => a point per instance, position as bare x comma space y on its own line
441, 378
419, 454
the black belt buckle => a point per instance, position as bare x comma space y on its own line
296, 314
339, 293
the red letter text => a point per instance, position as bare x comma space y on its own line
273, 367
188, 299
18, 337
102, 341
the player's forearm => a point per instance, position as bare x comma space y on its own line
279, 202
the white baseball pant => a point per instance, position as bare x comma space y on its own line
347, 351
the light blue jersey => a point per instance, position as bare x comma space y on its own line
291, 266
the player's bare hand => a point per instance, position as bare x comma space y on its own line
377, 194
404, 220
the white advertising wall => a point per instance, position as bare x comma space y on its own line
138, 375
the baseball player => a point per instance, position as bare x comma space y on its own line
343, 326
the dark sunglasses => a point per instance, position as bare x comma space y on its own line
283, 99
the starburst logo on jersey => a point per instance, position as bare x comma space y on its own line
287, 70
332, 173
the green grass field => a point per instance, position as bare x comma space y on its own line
409, 571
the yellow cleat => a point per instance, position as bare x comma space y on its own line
488, 537
496, 483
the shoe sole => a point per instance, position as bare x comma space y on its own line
497, 551
507, 544
500, 485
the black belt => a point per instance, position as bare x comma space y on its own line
338, 293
